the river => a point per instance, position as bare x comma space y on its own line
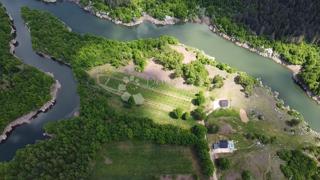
196, 35
67, 99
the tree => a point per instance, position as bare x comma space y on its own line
186, 116
199, 114
177, 113
223, 163
200, 98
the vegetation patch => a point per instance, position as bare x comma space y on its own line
165, 103
298, 165
139, 160
246, 81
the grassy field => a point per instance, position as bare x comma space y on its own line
159, 98
138, 160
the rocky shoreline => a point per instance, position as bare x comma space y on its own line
27, 118
145, 17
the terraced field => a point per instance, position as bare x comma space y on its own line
159, 98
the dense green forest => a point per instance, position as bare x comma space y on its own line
291, 28
69, 153
22, 88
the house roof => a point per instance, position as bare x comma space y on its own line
223, 144
224, 103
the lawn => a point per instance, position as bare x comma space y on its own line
139, 160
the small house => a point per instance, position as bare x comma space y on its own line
221, 104
223, 146
224, 103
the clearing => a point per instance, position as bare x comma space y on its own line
139, 160
159, 97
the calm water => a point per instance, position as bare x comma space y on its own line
199, 36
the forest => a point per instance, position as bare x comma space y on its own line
77, 140
22, 88
265, 24
291, 28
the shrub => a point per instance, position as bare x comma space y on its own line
195, 73
217, 81
246, 81
293, 122
213, 128
246, 175
261, 137
223, 163
169, 59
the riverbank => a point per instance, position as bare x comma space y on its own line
145, 17
33, 114
268, 53
27, 118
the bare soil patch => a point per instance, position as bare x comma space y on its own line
107, 161
226, 129
154, 71
243, 116
188, 55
